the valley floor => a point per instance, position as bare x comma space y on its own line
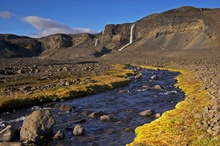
31, 72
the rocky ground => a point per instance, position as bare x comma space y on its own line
31, 75
25, 75
205, 64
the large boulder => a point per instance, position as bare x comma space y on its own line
37, 125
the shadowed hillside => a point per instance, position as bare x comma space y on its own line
186, 28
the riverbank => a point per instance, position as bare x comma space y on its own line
205, 69
183, 125
201, 123
28, 89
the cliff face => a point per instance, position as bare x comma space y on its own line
17, 46
184, 28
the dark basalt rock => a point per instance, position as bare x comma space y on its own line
173, 29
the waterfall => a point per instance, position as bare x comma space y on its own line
96, 41
131, 33
131, 38
103, 31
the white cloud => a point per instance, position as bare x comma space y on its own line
5, 14
47, 26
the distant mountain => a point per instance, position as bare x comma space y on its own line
185, 28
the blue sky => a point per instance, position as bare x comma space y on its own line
37, 18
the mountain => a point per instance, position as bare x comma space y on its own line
181, 29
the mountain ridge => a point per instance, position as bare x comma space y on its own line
183, 28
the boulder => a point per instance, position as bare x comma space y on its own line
79, 130
6, 134
37, 125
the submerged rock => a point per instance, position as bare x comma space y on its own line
95, 115
105, 118
64, 107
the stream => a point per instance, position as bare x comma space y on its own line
122, 105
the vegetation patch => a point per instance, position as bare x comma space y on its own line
107, 80
182, 125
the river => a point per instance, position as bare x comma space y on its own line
122, 105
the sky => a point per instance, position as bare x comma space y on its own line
38, 18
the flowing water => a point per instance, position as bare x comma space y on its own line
122, 105
131, 38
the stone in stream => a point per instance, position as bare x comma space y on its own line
64, 107
154, 77
79, 130
94, 115
157, 87
138, 76
59, 135
147, 113
157, 115
37, 125
146, 86
6, 134
123, 91
105, 118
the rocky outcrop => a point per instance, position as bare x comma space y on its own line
17, 46
115, 36
184, 28
178, 29
56, 41
37, 125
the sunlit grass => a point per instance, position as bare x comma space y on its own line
107, 80
179, 126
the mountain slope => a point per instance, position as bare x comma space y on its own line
185, 28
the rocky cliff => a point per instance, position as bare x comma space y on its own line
185, 28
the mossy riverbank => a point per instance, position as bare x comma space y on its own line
182, 125
106, 80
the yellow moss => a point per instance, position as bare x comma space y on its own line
178, 126
104, 81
